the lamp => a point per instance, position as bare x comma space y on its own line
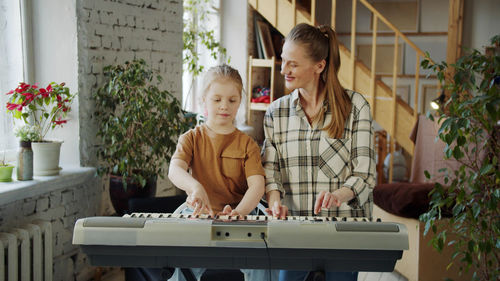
437, 102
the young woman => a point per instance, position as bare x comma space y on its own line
318, 151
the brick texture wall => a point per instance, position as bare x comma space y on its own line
74, 199
115, 31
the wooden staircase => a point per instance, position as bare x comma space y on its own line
388, 110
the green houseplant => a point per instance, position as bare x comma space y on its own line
138, 128
469, 126
195, 35
45, 109
5, 170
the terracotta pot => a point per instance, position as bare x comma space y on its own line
120, 196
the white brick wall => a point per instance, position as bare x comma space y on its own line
62, 207
114, 31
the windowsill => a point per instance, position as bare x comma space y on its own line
19, 190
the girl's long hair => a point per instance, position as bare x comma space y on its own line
321, 44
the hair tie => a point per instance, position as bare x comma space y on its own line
323, 29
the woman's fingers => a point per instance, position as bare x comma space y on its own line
319, 202
327, 201
276, 209
283, 211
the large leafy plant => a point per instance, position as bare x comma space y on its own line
138, 123
469, 125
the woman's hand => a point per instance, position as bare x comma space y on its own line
326, 199
277, 210
198, 200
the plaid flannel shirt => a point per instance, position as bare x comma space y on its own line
301, 160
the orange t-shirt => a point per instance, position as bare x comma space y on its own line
221, 163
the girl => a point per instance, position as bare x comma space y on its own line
226, 171
318, 152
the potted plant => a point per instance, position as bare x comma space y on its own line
138, 128
26, 135
45, 109
5, 170
470, 127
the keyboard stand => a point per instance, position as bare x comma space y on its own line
167, 272
318, 275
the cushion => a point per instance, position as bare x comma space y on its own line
408, 200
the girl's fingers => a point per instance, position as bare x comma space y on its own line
198, 206
227, 210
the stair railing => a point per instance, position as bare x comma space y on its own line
377, 16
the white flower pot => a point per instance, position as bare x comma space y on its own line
46, 158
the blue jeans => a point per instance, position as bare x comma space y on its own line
289, 275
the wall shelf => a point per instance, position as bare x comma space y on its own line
259, 63
259, 106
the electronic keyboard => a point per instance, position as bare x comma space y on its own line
231, 242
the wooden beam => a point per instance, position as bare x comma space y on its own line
394, 105
333, 13
455, 27
313, 12
373, 64
353, 43
249, 90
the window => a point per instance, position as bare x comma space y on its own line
205, 17
11, 70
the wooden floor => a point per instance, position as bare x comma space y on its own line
117, 275
381, 276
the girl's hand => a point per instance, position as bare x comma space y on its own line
198, 199
277, 210
326, 199
228, 211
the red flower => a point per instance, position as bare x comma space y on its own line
12, 106
23, 86
60, 122
28, 95
38, 104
